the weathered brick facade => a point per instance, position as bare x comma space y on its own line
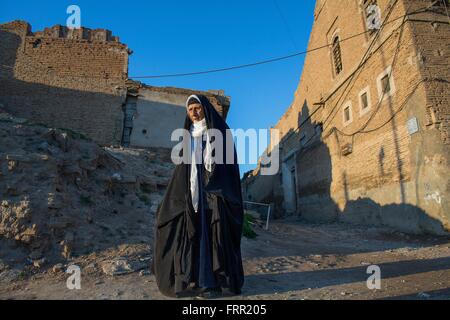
340, 161
73, 79
78, 79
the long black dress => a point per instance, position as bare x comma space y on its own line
178, 228
204, 271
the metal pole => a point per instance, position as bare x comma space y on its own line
268, 216
263, 204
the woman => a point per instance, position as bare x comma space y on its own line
199, 222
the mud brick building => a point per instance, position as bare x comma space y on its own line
153, 113
366, 138
78, 79
65, 78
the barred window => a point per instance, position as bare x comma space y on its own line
337, 57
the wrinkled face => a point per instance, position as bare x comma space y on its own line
195, 112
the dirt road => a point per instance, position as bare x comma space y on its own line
291, 261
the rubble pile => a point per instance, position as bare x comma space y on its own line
62, 195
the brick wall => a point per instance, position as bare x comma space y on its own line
371, 170
65, 78
432, 38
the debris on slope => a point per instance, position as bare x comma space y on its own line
62, 195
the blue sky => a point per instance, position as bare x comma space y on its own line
184, 36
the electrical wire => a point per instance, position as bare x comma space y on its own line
344, 94
268, 61
394, 60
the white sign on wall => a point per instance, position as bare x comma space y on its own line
412, 126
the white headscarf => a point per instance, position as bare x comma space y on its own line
197, 130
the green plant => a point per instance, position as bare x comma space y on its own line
144, 198
247, 230
146, 188
22, 275
74, 134
86, 200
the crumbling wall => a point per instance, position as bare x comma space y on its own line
158, 111
65, 78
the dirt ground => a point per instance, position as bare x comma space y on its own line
291, 261
65, 201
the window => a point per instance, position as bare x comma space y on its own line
347, 113
319, 129
337, 57
302, 139
364, 101
385, 84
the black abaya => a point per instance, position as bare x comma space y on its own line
178, 230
